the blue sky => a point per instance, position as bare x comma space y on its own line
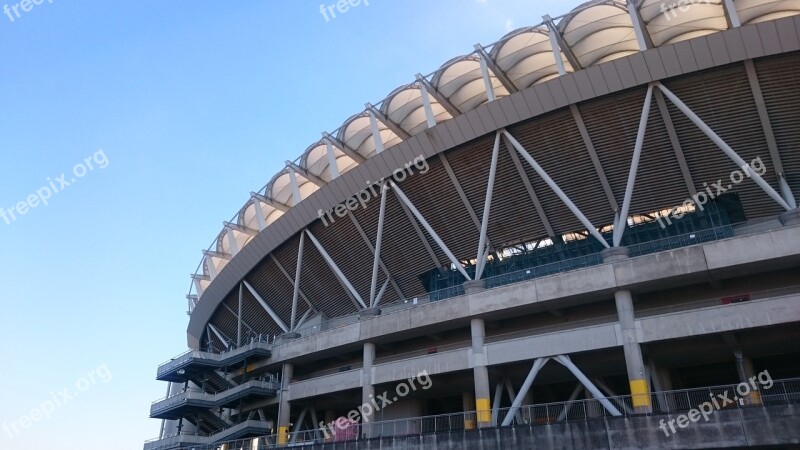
194, 105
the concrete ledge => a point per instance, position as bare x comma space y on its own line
672, 268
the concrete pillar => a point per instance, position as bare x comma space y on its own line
467, 404
744, 366
483, 405
640, 387
367, 389
284, 409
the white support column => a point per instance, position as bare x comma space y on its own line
198, 288
343, 279
639, 27
566, 362
487, 80
723, 146
378, 242
376, 134
622, 220
333, 167
487, 206
557, 52
296, 294
295, 186
427, 226
537, 366
266, 307
234, 246
262, 221
730, 14
426, 105
212, 269
239, 319
536, 167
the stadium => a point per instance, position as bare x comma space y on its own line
584, 235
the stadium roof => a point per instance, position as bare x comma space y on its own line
591, 34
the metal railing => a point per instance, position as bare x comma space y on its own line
199, 395
780, 392
259, 341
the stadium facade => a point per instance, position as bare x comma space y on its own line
585, 234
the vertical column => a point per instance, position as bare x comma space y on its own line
467, 404
640, 391
481, 374
744, 366
367, 389
284, 409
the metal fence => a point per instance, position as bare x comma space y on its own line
779, 392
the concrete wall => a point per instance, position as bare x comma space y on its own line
776, 249
757, 313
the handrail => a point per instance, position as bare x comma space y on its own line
781, 392
213, 398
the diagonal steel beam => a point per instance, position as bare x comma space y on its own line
676, 143
562, 43
487, 207
552, 184
567, 362
769, 134
378, 242
463, 196
291, 280
698, 122
392, 125
622, 223
354, 155
531, 193
498, 72
385, 269
526, 385
427, 226
440, 98
421, 235
266, 307
297, 272
219, 335
270, 202
342, 279
598, 168
306, 174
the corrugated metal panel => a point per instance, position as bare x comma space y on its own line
720, 97
780, 83
437, 199
556, 144
723, 100
471, 165
613, 123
